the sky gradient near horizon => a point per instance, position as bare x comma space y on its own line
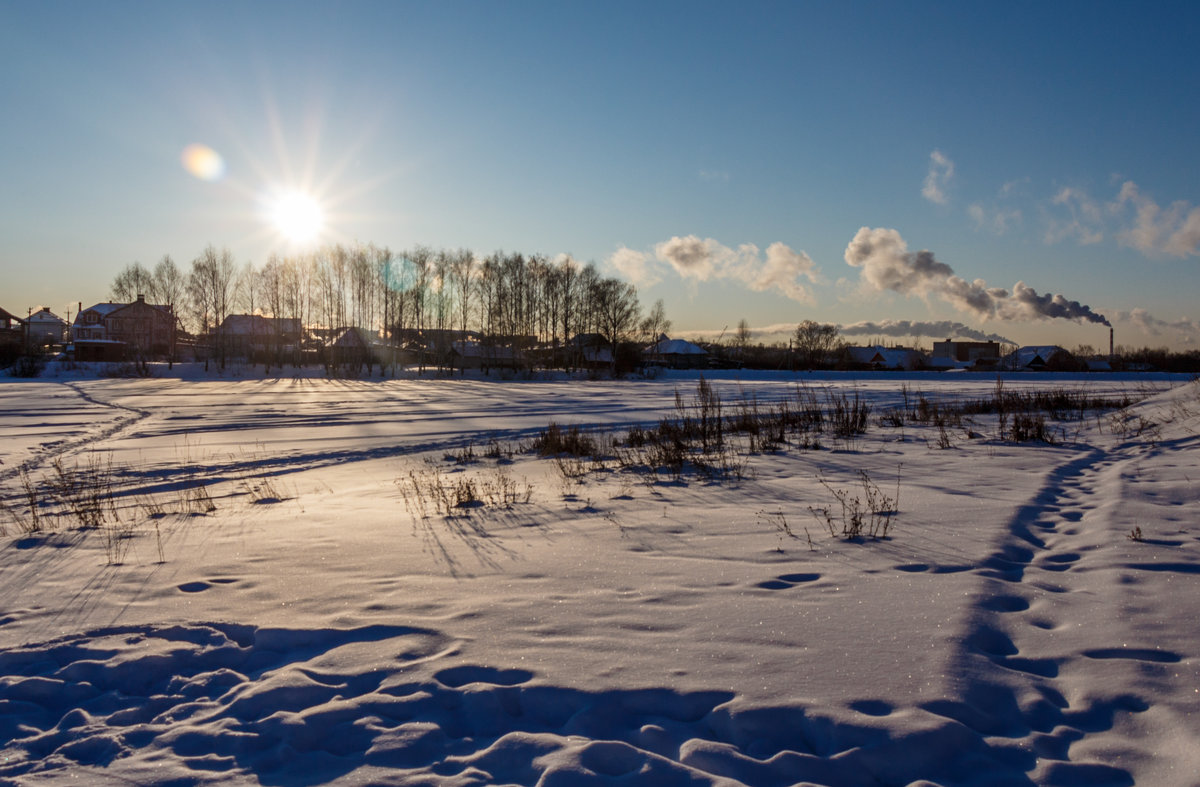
767, 161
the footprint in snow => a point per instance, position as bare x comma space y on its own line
197, 587
785, 581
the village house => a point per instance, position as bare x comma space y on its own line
124, 331
676, 354
952, 354
1042, 358
250, 335
12, 329
45, 328
892, 358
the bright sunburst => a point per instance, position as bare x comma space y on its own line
297, 216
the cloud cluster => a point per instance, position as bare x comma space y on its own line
887, 265
941, 170
1156, 327
1174, 230
930, 328
780, 268
1136, 219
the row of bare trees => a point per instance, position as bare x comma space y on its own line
509, 300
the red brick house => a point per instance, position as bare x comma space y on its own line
124, 331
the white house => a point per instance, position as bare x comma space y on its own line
45, 327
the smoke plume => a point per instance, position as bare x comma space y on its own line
940, 329
887, 264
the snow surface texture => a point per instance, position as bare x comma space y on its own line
611, 629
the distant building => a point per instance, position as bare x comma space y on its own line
124, 331
247, 335
44, 327
880, 357
1042, 358
677, 354
12, 329
955, 354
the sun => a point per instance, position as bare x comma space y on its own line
297, 216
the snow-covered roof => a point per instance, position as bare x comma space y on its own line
104, 309
675, 347
44, 315
1025, 356
889, 357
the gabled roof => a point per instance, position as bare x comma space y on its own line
45, 315
104, 309
889, 357
1034, 354
352, 337
674, 347
7, 315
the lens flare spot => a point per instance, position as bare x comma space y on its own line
203, 162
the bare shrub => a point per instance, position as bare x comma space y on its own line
864, 513
1031, 428
848, 416
29, 519
464, 456
571, 441
429, 489
778, 522
84, 492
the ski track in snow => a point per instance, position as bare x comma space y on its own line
297, 707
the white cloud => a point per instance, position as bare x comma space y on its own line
1148, 323
1084, 220
1174, 230
692, 258
635, 266
941, 170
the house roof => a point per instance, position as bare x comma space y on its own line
45, 315
890, 357
675, 347
1025, 356
7, 315
472, 349
104, 309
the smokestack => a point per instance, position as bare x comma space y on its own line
1110, 342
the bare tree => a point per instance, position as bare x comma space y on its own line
815, 343
656, 323
617, 312
131, 282
212, 285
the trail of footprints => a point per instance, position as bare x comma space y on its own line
1025, 600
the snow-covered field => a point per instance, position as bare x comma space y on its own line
314, 627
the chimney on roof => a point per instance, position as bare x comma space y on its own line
141, 298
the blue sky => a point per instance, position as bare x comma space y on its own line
723, 156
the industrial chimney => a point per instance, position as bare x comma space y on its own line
1110, 342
